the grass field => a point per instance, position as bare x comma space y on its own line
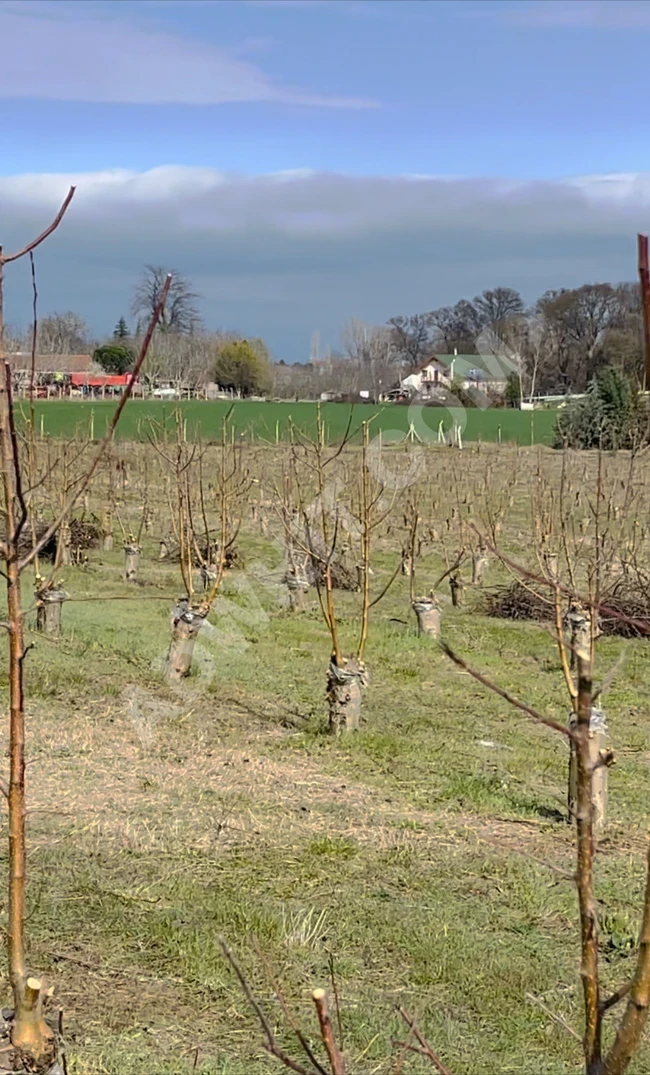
414, 853
268, 421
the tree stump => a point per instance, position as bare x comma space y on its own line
456, 587
344, 685
49, 603
186, 624
428, 616
132, 559
597, 743
298, 587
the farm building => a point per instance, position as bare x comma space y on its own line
52, 372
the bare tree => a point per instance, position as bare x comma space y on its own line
498, 304
181, 313
372, 349
63, 334
412, 338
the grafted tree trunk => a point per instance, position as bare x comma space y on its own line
597, 743
428, 616
344, 685
49, 604
132, 559
186, 624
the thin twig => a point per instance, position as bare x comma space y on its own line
523, 706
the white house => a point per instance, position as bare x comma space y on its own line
442, 371
434, 376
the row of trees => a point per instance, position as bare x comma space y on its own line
181, 351
560, 342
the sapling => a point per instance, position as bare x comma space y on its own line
33, 1039
324, 520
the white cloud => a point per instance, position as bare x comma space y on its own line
77, 53
282, 254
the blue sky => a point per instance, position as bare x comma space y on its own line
174, 118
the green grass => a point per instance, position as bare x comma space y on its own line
262, 422
413, 852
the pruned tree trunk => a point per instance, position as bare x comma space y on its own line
456, 587
132, 559
428, 616
597, 743
49, 604
579, 623
63, 546
208, 576
298, 588
186, 624
479, 566
344, 685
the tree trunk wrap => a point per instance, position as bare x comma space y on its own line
48, 610
344, 685
597, 742
428, 616
132, 554
186, 624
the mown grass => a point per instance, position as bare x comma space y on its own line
269, 422
413, 853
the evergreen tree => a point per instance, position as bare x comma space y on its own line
121, 330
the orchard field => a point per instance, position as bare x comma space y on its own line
426, 858
268, 422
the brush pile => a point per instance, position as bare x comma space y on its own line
85, 534
517, 601
625, 610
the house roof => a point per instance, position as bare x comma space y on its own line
22, 360
493, 367
101, 380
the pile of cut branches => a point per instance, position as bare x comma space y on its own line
517, 601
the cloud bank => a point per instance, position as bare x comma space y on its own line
283, 254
